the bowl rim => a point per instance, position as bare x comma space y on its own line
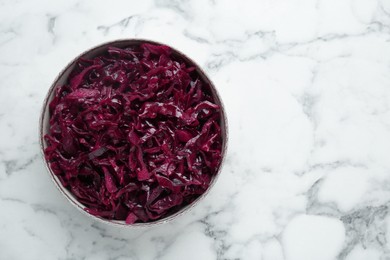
71, 198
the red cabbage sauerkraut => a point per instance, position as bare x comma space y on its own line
134, 134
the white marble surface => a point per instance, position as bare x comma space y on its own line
306, 84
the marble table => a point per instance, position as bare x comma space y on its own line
306, 84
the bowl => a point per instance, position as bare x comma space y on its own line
62, 78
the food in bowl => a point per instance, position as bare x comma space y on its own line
135, 133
